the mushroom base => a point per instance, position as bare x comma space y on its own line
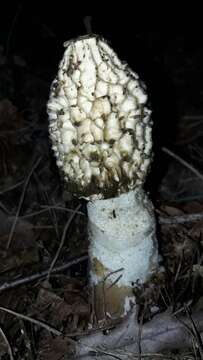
123, 250
111, 302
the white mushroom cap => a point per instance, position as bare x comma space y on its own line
99, 124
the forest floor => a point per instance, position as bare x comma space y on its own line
43, 240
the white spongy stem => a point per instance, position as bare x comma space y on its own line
123, 239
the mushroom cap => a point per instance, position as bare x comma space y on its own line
99, 124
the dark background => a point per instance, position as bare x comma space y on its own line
169, 62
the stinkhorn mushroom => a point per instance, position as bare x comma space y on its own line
100, 128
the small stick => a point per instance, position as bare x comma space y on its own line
7, 344
4, 208
52, 212
37, 276
195, 331
21, 203
180, 219
12, 187
46, 208
183, 162
62, 240
33, 321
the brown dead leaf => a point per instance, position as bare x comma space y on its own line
51, 308
54, 309
192, 207
53, 349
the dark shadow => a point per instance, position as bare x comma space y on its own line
38, 36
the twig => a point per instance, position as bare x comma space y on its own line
112, 273
180, 219
7, 344
163, 220
33, 321
51, 211
196, 333
21, 203
179, 268
62, 240
12, 187
128, 355
139, 337
61, 208
18, 184
103, 352
39, 275
109, 287
42, 227
4, 208
183, 162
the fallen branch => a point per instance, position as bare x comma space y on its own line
26, 280
180, 219
183, 162
163, 332
33, 321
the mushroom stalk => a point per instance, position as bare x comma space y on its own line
100, 127
123, 250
